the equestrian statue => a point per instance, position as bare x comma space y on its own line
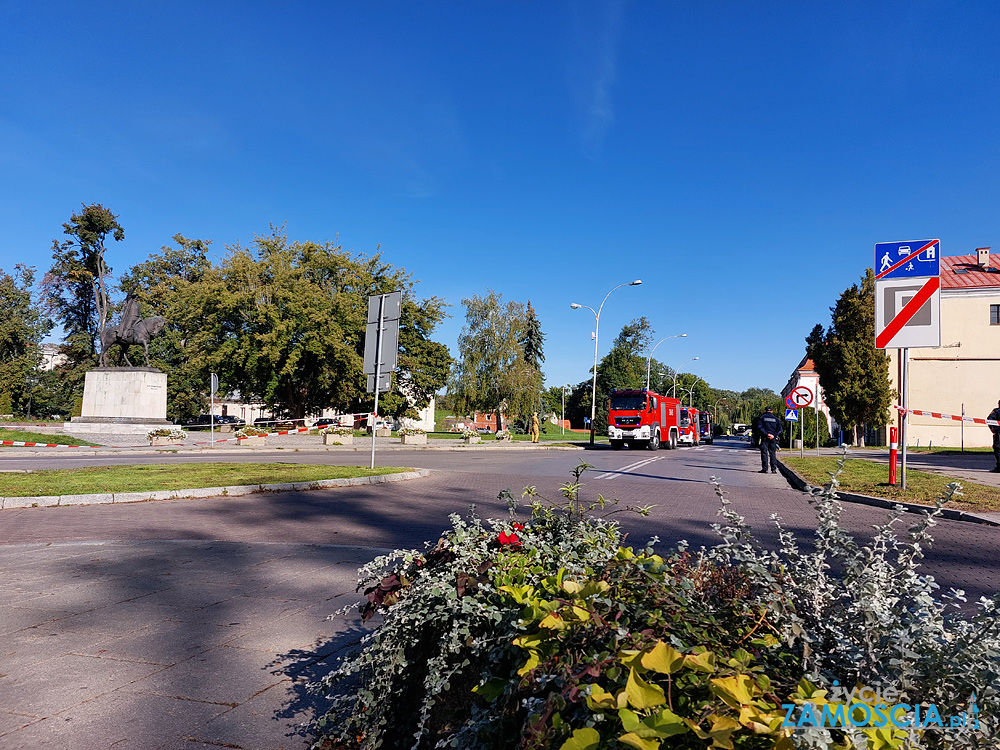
132, 330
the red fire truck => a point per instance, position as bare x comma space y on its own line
642, 419
689, 432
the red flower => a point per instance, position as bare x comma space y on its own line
510, 539
518, 526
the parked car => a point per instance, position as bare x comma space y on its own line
327, 422
205, 421
275, 425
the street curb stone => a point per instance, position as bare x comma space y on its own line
203, 492
878, 502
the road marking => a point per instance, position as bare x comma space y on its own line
625, 469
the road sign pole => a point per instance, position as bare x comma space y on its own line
802, 435
378, 372
816, 418
906, 413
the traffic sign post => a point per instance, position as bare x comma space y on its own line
907, 308
381, 341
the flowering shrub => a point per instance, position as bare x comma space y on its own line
337, 430
546, 632
411, 431
172, 433
251, 431
503, 435
469, 434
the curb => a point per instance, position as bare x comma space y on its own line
242, 451
43, 501
878, 502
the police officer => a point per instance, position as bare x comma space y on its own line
770, 429
995, 416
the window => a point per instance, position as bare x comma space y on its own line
995, 315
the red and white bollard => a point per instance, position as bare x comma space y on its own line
892, 456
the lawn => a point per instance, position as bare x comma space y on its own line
872, 478
105, 479
23, 436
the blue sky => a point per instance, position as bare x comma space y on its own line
740, 158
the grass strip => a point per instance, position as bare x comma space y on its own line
24, 436
103, 479
872, 478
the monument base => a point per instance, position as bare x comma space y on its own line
122, 400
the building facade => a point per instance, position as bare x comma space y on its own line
963, 376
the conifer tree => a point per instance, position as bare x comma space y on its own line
853, 373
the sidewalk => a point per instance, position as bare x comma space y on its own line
973, 467
136, 644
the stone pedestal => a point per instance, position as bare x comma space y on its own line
414, 439
122, 400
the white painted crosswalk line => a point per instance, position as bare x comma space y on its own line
629, 467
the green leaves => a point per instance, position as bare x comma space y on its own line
587, 738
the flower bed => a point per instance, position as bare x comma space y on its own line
413, 436
165, 435
503, 435
335, 430
545, 632
251, 432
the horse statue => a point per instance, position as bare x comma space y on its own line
132, 330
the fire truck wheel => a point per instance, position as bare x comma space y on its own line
616, 445
672, 443
654, 442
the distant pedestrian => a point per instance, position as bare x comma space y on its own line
534, 427
995, 416
770, 428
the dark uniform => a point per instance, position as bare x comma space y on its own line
995, 415
768, 424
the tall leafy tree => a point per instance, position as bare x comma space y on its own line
284, 322
624, 366
23, 324
853, 373
163, 285
492, 374
78, 285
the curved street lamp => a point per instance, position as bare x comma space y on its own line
597, 329
649, 360
673, 393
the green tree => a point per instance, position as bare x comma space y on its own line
78, 285
163, 285
853, 373
492, 375
23, 324
623, 367
76, 292
284, 322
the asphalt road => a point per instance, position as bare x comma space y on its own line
196, 623
411, 513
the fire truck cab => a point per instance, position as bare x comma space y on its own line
688, 427
641, 418
706, 427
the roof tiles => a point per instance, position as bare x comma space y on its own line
964, 272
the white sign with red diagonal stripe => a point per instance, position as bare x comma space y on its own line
908, 313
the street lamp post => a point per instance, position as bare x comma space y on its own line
649, 361
562, 389
673, 392
691, 392
597, 330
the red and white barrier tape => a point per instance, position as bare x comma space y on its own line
19, 444
940, 415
